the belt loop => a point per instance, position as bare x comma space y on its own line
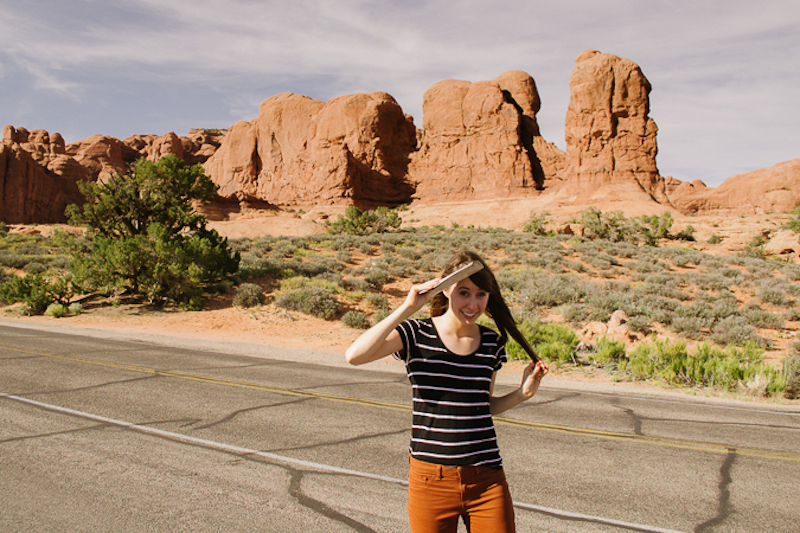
441, 472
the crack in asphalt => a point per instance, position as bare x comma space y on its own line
54, 433
234, 414
91, 387
558, 398
348, 384
636, 419
227, 367
296, 491
723, 499
20, 357
357, 438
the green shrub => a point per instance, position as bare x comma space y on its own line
34, 268
608, 352
13, 260
755, 248
377, 301
380, 315
774, 292
75, 308
376, 277
656, 359
30, 249
552, 291
356, 320
656, 227
714, 239
356, 284
735, 330
248, 295
552, 342
344, 256
791, 375
536, 223
614, 226
513, 349
56, 310
313, 301
690, 327
640, 324
358, 222
728, 368
686, 234
576, 313
794, 223
297, 282
36, 292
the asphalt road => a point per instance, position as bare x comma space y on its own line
116, 434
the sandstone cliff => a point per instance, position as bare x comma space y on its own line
479, 141
352, 149
39, 173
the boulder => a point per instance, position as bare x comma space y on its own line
784, 242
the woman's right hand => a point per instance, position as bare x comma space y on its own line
381, 340
415, 300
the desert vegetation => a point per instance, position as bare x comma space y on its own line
689, 318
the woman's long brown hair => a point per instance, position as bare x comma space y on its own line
496, 308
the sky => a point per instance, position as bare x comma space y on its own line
725, 73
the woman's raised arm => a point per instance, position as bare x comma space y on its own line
381, 339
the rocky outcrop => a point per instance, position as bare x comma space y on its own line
196, 147
39, 173
772, 189
37, 179
352, 149
480, 140
783, 242
611, 140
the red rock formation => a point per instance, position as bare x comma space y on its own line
39, 174
37, 180
198, 145
772, 189
480, 140
352, 149
611, 140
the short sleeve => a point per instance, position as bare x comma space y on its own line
501, 356
406, 331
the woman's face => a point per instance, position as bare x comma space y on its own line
467, 301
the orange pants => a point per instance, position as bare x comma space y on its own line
438, 495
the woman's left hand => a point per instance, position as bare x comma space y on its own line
532, 376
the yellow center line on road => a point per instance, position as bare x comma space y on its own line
659, 441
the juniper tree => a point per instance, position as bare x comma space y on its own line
145, 236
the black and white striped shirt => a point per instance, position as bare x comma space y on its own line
452, 421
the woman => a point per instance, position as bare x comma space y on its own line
455, 465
